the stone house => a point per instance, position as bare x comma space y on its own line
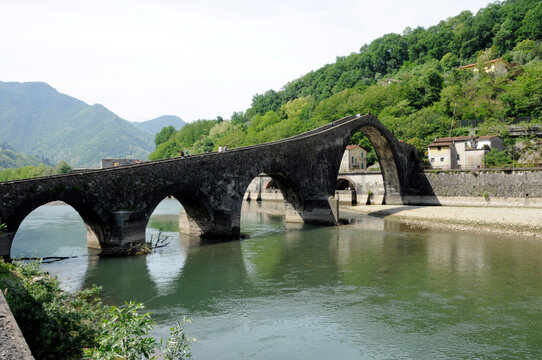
354, 159
498, 66
461, 152
108, 163
388, 81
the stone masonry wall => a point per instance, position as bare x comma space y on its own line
483, 188
12, 343
461, 188
494, 183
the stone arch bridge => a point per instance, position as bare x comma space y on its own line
116, 203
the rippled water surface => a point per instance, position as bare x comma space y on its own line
369, 290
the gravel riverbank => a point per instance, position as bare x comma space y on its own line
523, 222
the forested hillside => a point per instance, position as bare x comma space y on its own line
36, 119
12, 159
411, 81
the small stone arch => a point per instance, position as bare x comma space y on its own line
292, 201
96, 220
347, 190
270, 185
343, 182
198, 216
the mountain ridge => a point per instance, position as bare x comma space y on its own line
11, 159
154, 126
37, 119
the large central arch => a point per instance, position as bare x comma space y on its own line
396, 159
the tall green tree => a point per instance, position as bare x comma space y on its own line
524, 96
62, 168
531, 27
164, 134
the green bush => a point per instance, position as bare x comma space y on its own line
496, 158
123, 334
56, 325
178, 344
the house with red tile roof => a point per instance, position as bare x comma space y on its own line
461, 152
498, 66
354, 159
108, 163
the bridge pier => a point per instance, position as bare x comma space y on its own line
6, 238
314, 211
224, 223
393, 199
291, 214
128, 230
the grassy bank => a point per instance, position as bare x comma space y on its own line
61, 325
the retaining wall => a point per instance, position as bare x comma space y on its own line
518, 187
508, 188
12, 343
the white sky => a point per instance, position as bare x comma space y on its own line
195, 59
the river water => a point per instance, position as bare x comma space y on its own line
373, 289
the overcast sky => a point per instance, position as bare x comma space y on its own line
195, 59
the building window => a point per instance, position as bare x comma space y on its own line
432, 159
441, 159
353, 160
361, 155
362, 165
457, 157
439, 148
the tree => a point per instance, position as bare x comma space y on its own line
238, 118
526, 51
449, 61
496, 158
505, 37
432, 82
269, 101
62, 168
531, 27
164, 134
524, 96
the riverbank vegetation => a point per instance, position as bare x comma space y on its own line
412, 81
61, 325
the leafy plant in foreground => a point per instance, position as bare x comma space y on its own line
60, 325
122, 332
56, 324
178, 344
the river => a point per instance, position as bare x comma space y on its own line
373, 289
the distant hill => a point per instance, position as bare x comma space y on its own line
155, 125
11, 159
36, 119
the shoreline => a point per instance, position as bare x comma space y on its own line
503, 221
